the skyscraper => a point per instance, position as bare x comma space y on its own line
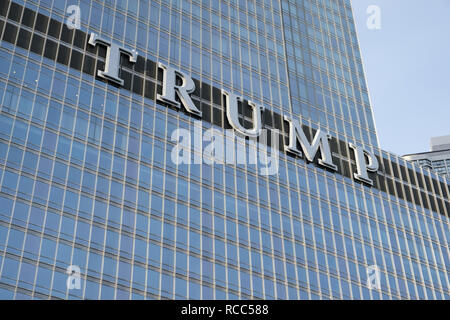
438, 159
96, 203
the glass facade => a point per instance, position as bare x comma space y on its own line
327, 84
442, 167
87, 179
438, 161
439, 166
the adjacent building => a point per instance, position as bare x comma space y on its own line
438, 159
95, 202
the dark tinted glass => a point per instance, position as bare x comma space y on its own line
24, 38
41, 23
10, 33
63, 54
79, 39
76, 60
50, 49
4, 7
15, 12
28, 18
54, 29
66, 34
37, 44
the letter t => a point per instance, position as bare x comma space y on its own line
112, 63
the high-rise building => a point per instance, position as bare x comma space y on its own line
112, 186
438, 159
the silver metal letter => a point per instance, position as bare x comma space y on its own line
231, 104
361, 165
112, 63
320, 141
170, 88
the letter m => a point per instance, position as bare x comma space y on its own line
320, 141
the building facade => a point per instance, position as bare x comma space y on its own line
93, 205
438, 159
